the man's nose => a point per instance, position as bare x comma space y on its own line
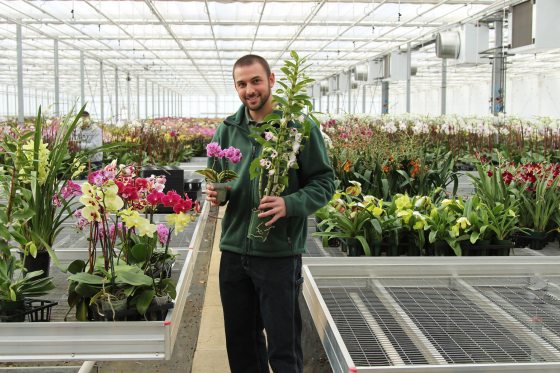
250, 90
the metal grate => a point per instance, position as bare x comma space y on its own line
534, 306
364, 348
460, 330
444, 320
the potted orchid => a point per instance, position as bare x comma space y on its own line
220, 179
117, 212
282, 138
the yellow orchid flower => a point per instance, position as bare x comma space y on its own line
405, 215
463, 222
144, 227
420, 222
180, 221
403, 202
354, 190
91, 213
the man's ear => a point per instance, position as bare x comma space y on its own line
271, 79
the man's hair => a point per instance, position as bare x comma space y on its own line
250, 59
85, 114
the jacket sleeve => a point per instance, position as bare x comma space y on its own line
317, 178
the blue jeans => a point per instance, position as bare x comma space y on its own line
262, 294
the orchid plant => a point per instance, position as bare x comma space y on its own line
285, 131
214, 151
118, 210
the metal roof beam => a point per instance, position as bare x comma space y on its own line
198, 22
158, 15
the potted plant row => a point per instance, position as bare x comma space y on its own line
126, 275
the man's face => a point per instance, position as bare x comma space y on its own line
253, 86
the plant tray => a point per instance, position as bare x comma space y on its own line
36, 310
440, 315
109, 340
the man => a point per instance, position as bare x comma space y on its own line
260, 282
90, 136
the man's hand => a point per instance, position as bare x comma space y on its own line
211, 194
272, 206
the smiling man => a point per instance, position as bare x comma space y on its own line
260, 281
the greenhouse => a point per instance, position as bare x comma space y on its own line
279, 186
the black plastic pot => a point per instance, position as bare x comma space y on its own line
41, 262
354, 247
12, 311
538, 240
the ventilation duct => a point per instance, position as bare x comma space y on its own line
333, 83
375, 70
343, 80
474, 40
324, 88
361, 73
534, 26
395, 66
316, 90
448, 44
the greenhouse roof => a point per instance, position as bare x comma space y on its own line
189, 47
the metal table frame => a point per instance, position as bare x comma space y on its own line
119, 340
372, 270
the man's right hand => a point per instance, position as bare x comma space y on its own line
211, 195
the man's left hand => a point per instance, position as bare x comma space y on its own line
272, 206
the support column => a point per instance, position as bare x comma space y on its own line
101, 98
30, 106
56, 82
158, 101
117, 111
498, 72
82, 80
364, 99
128, 97
349, 91
19, 75
7, 100
384, 97
146, 99
443, 86
337, 103
153, 102
408, 66
137, 98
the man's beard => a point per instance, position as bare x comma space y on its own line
260, 103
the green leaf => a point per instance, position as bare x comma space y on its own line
210, 174
76, 266
226, 175
134, 279
143, 300
140, 252
87, 278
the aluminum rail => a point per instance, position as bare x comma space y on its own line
93, 341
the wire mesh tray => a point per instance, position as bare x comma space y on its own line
436, 314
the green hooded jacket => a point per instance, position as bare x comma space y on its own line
310, 188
